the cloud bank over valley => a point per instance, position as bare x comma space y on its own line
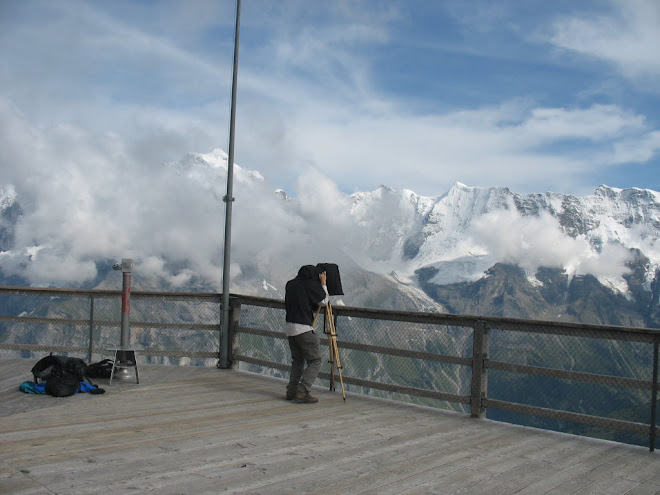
86, 198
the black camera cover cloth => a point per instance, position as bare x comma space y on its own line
333, 280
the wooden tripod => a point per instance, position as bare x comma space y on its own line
330, 330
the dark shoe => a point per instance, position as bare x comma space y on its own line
290, 396
302, 397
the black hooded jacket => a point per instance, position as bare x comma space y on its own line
303, 295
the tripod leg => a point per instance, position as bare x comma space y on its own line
335, 350
330, 330
331, 360
339, 367
318, 311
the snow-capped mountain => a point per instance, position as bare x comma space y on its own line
396, 249
450, 244
465, 231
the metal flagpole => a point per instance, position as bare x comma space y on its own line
223, 361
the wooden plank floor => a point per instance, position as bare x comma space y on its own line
209, 431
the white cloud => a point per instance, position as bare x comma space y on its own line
513, 145
627, 38
320, 199
85, 198
533, 242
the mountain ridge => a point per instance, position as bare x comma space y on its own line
385, 240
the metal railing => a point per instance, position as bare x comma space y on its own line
167, 327
590, 380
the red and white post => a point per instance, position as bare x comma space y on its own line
125, 361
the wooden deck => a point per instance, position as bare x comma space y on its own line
209, 431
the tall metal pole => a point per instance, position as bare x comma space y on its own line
223, 361
125, 338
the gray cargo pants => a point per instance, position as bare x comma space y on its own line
305, 348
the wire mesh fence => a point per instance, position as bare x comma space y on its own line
584, 379
169, 328
583, 374
406, 354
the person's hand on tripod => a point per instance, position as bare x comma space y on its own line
323, 277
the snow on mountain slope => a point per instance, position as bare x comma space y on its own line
467, 230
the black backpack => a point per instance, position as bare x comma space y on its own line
63, 385
102, 369
62, 374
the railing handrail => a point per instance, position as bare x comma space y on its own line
499, 322
502, 323
56, 292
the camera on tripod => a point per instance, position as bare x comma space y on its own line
333, 284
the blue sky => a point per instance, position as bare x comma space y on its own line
533, 95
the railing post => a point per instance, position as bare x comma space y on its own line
654, 393
222, 355
234, 323
227, 332
91, 328
480, 345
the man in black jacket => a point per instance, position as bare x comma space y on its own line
304, 294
